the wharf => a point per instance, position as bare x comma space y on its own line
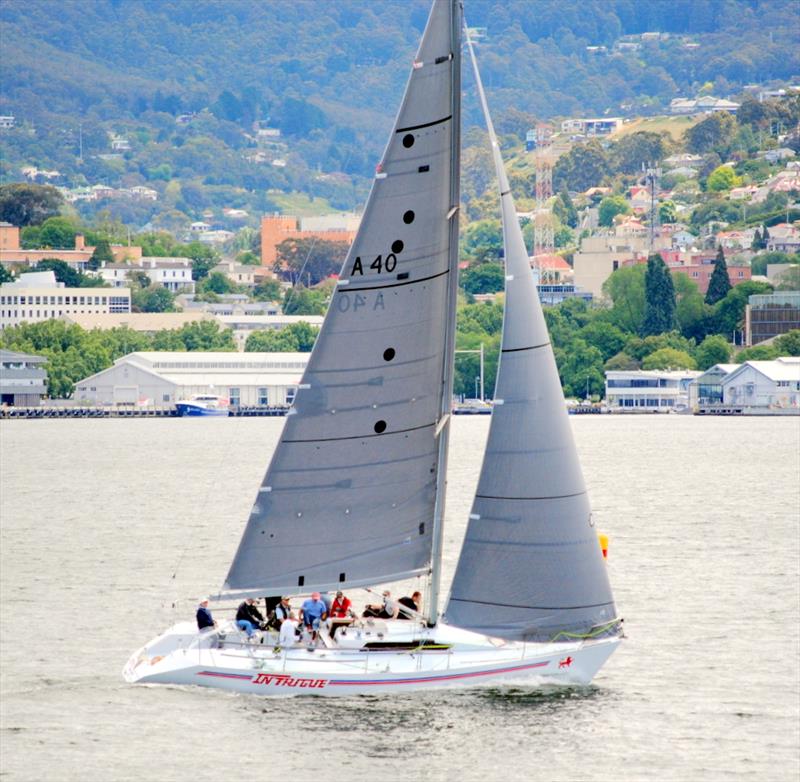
719, 409
47, 411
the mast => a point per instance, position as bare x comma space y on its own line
452, 300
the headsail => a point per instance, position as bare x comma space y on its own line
350, 495
531, 566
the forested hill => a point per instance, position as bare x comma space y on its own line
329, 73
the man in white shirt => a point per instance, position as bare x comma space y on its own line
288, 636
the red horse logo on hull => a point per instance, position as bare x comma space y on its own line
565, 663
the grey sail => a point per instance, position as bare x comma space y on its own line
350, 496
531, 567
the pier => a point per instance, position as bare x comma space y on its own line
48, 411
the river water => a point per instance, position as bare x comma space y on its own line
105, 524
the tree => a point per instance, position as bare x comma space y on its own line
626, 289
311, 260
721, 178
758, 353
667, 212
102, 252
610, 207
632, 151
5, 276
206, 335
24, 204
204, 259
484, 278
789, 279
788, 344
719, 284
581, 369
268, 290
714, 133
756, 243
669, 358
302, 301
297, 337
607, 338
693, 315
483, 241
154, 298
659, 309
58, 233
584, 166
565, 210
714, 349
216, 282
621, 361
63, 271
729, 312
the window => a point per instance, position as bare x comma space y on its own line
614, 265
38, 299
233, 396
290, 394
165, 397
263, 397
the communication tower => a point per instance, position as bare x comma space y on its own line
543, 219
652, 180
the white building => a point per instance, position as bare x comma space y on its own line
161, 378
23, 381
175, 274
648, 391
765, 385
37, 296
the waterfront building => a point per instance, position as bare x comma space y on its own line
161, 378
768, 315
764, 385
707, 388
648, 391
37, 296
592, 126
23, 381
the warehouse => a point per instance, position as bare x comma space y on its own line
161, 378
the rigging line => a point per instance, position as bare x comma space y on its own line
210, 487
310, 250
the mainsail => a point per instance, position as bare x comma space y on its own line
350, 497
531, 566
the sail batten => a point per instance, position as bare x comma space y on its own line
351, 494
530, 567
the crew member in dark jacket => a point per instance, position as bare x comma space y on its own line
248, 617
409, 602
204, 618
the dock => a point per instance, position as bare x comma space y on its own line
123, 411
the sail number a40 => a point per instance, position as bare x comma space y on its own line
380, 264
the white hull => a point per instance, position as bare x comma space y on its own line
226, 660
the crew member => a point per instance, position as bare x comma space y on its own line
204, 618
413, 603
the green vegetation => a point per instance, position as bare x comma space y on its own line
297, 337
719, 284
73, 353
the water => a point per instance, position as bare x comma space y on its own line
97, 516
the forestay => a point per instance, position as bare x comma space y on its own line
350, 494
531, 566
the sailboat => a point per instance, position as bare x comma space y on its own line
354, 495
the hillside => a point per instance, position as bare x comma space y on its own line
184, 82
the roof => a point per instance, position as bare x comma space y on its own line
138, 321
784, 368
551, 261
236, 379
12, 355
224, 361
